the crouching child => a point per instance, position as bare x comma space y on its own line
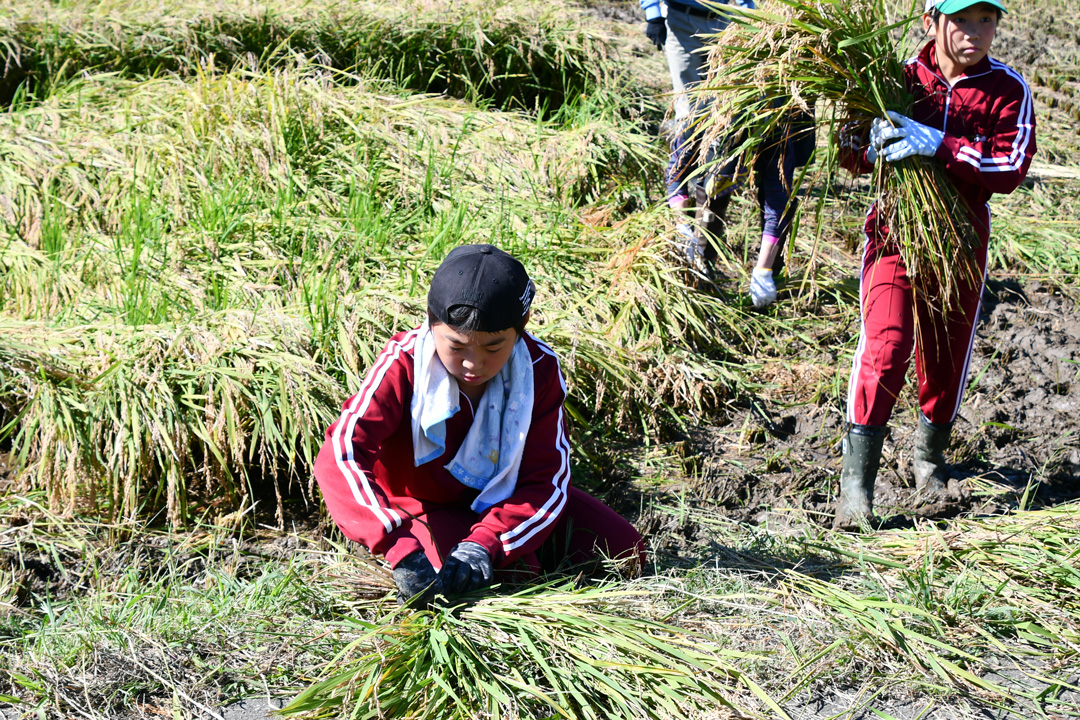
453, 460
973, 115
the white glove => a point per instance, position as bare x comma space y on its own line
762, 288
909, 138
877, 127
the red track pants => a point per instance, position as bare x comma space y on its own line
889, 309
587, 530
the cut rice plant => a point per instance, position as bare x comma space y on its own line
976, 607
542, 652
1035, 232
843, 58
75, 157
955, 602
123, 420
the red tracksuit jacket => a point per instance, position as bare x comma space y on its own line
372, 489
989, 125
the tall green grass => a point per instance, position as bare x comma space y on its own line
511, 55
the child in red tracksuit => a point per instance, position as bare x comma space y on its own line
974, 115
453, 460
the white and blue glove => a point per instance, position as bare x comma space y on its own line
907, 138
877, 127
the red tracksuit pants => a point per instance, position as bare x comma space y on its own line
892, 316
587, 531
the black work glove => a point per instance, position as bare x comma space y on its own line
416, 580
467, 568
656, 30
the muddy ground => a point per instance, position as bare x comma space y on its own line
1018, 426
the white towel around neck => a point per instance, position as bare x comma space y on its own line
489, 458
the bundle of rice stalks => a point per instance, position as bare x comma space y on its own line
791, 56
670, 348
83, 152
541, 652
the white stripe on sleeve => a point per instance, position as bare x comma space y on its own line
549, 512
359, 482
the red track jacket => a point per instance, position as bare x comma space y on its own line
989, 122
372, 489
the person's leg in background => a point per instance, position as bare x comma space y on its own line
774, 170
685, 51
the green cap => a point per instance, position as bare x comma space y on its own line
948, 7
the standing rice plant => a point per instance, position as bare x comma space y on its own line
845, 56
542, 652
523, 55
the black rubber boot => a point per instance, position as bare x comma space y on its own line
931, 472
862, 456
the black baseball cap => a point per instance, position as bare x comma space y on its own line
482, 277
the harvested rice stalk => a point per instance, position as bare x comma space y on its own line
792, 55
122, 417
953, 601
542, 652
80, 154
522, 54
